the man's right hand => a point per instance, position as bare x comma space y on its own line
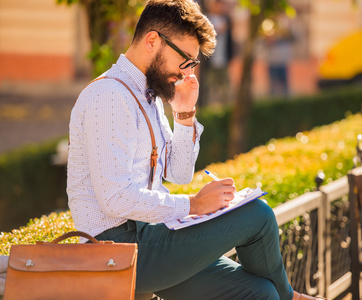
213, 196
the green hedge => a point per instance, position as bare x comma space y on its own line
30, 185
284, 168
274, 119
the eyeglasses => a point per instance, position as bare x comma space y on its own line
186, 64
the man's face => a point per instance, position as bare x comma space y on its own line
159, 78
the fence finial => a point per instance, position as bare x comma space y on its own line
319, 179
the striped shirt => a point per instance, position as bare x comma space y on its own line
109, 155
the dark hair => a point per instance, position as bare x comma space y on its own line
177, 17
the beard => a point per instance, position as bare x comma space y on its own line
158, 80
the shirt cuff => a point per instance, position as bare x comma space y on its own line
182, 206
188, 131
199, 129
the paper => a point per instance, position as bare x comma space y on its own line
241, 198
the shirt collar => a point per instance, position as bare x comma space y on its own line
134, 73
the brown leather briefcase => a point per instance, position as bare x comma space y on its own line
98, 270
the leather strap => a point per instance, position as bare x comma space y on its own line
184, 115
74, 234
154, 155
71, 234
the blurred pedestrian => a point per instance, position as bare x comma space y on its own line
217, 77
279, 43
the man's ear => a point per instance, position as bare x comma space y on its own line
152, 41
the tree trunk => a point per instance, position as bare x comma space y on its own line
98, 21
244, 98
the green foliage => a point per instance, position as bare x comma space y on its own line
29, 184
107, 21
68, 2
113, 10
213, 142
103, 57
284, 168
274, 118
46, 228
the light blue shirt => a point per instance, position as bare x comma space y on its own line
109, 155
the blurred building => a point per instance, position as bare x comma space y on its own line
317, 26
41, 41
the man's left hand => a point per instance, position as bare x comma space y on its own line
186, 95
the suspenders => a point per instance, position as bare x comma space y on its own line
154, 155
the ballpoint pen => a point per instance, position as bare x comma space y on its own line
211, 175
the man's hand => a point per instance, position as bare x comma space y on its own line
213, 196
186, 95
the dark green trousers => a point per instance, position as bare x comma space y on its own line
189, 263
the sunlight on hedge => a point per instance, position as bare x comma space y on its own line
285, 168
46, 228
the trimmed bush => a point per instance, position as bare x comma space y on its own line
284, 168
30, 185
274, 119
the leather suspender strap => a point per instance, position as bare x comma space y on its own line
154, 155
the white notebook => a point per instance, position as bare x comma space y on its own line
241, 198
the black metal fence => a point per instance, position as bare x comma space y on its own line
315, 240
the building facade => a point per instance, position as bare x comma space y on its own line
41, 41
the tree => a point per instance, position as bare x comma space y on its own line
106, 18
259, 10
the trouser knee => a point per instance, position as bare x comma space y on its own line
267, 291
264, 214
269, 213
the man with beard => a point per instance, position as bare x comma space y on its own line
114, 193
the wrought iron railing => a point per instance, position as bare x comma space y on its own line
314, 240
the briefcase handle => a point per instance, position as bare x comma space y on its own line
72, 234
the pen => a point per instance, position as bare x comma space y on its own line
211, 175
